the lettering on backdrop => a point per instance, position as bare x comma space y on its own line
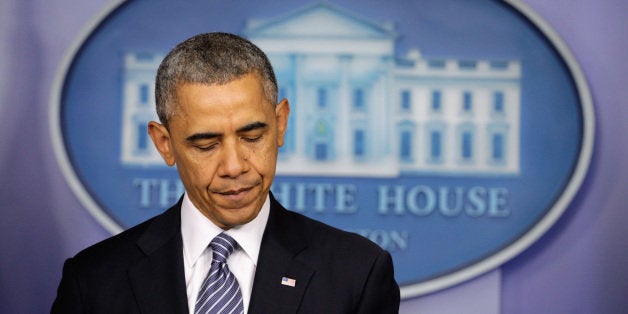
419, 202
423, 200
161, 193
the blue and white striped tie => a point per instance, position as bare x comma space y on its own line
220, 292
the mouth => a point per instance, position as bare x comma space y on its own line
234, 192
235, 195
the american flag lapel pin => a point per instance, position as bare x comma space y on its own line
288, 282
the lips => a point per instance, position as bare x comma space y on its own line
235, 191
234, 199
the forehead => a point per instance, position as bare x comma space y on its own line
248, 87
241, 97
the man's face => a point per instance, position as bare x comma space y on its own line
224, 140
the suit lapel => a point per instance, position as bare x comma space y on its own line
158, 280
282, 242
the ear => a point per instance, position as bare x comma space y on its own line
282, 111
161, 138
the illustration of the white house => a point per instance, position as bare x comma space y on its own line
357, 108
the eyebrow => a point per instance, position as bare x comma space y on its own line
252, 126
209, 135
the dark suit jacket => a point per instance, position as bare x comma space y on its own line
141, 270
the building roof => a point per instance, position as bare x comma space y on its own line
319, 20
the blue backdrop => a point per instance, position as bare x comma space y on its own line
577, 267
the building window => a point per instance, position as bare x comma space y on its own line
359, 143
321, 96
498, 102
406, 139
406, 100
436, 101
405, 145
142, 137
322, 146
436, 145
499, 65
144, 94
320, 151
436, 64
358, 99
467, 102
467, 64
467, 145
498, 148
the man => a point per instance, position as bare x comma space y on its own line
222, 126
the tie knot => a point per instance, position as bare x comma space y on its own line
222, 246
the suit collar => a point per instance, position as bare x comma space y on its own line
161, 269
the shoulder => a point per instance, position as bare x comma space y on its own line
326, 235
132, 243
114, 249
322, 239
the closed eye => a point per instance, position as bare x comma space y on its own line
253, 132
252, 139
203, 141
205, 148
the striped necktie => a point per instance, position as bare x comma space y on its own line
220, 291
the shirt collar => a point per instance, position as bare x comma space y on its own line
197, 231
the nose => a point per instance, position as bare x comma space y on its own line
234, 160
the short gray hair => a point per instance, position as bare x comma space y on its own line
211, 58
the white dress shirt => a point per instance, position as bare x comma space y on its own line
198, 231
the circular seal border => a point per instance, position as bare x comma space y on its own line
58, 144
408, 291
